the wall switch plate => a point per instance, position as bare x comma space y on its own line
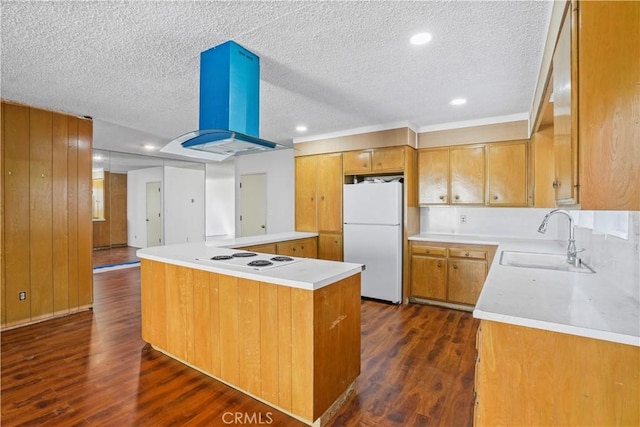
22, 295
463, 219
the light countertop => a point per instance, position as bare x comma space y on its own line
310, 274
604, 305
238, 242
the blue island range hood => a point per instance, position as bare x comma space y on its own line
229, 106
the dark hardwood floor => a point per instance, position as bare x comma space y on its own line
93, 369
119, 255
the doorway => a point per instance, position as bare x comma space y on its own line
154, 218
253, 204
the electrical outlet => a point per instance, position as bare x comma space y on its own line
22, 295
463, 219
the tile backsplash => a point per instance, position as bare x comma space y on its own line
480, 221
619, 256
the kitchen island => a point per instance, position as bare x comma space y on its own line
287, 335
554, 347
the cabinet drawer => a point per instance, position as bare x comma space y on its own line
419, 249
467, 253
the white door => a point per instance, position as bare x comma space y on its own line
253, 204
154, 218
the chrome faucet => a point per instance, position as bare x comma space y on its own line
572, 253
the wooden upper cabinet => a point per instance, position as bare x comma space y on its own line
305, 194
565, 140
356, 162
608, 98
507, 174
388, 160
433, 176
467, 172
319, 193
330, 183
382, 160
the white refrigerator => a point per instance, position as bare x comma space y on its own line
373, 236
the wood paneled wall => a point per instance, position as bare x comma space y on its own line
296, 349
46, 214
113, 230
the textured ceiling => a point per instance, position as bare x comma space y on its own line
331, 65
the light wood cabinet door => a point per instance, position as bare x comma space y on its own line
467, 171
287, 248
521, 368
433, 176
429, 277
305, 194
507, 174
307, 248
330, 180
465, 280
330, 247
269, 248
565, 141
355, 162
388, 160
608, 100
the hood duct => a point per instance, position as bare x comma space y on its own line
229, 107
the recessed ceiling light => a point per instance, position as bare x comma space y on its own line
149, 147
420, 38
301, 128
458, 101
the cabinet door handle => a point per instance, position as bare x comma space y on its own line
428, 252
466, 254
439, 265
442, 198
495, 197
379, 164
455, 267
457, 197
312, 199
556, 184
321, 197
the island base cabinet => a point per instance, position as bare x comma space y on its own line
297, 350
533, 377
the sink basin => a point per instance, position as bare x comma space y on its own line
545, 261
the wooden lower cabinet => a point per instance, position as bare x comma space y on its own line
534, 377
465, 280
269, 248
429, 277
330, 247
449, 273
304, 248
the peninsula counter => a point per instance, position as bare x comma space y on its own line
287, 336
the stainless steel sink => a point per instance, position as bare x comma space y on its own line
545, 261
